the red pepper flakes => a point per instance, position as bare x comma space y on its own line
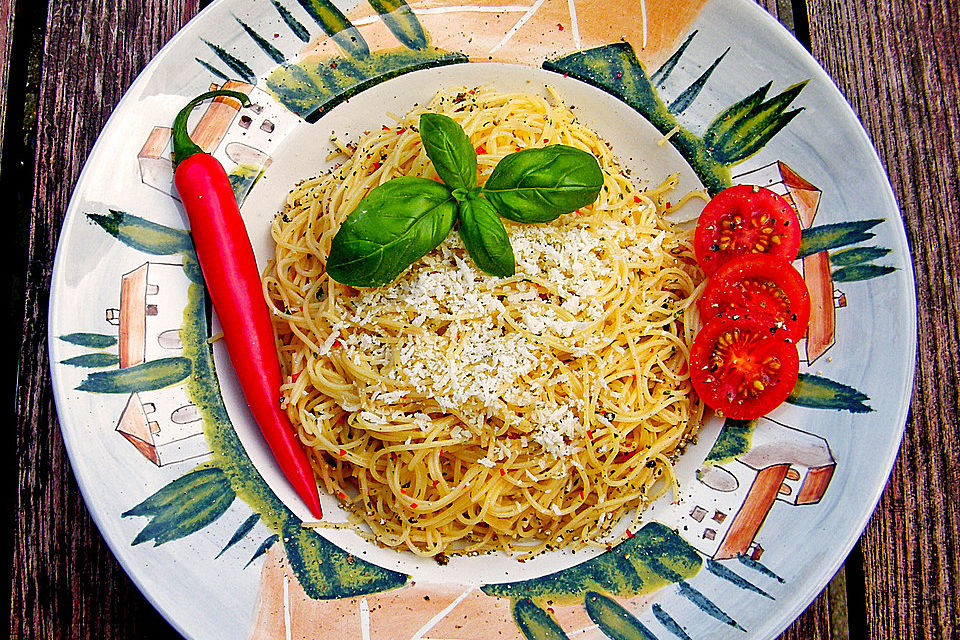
582, 496
341, 495
482, 149
333, 65
629, 533
472, 92
502, 473
559, 26
386, 128
295, 376
377, 165
342, 453
546, 140
590, 434
402, 130
336, 343
636, 198
436, 483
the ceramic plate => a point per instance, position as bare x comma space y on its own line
171, 465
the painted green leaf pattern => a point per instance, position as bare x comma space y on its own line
833, 236
616, 622
858, 272
402, 22
93, 360
92, 340
734, 440
857, 255
154, 374
820, 393
653, 558
535, 623
184, 506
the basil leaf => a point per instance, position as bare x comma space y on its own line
485, 237
395, 225
539, 185
450, 150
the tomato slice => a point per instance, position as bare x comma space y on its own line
740, 370
745, 219
763, 288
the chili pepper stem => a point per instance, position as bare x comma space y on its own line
183, 145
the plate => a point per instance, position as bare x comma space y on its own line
170, 463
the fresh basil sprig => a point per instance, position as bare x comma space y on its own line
403, 219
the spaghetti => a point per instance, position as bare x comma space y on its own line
455, 412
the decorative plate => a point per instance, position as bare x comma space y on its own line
171, 465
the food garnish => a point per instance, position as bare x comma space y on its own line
405, 218
744, 361
233, 282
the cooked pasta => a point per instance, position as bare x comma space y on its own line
456, 412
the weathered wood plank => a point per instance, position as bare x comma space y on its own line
6, 46
65, 582
899, 65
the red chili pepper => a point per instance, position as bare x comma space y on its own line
233, 282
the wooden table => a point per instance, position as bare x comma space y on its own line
65, 64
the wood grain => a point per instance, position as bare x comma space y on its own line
897, 63
66, 583
6, 46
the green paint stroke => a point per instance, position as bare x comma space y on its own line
614, 68
155, 374
237, 65
265, 45
686, 98
402, 22
860, 272
262, 549
292, 23
93, 360
92, 340
143, 235
535, 623
653, 558
336, 25
184, 506
857, 255
741, 130
616, 622
833, 236
733, 441
816, 392
242, 178
315, 85
150, 237
212, 69
245, 527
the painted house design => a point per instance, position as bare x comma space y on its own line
162, 424
233, 134
721, 514
825, 299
